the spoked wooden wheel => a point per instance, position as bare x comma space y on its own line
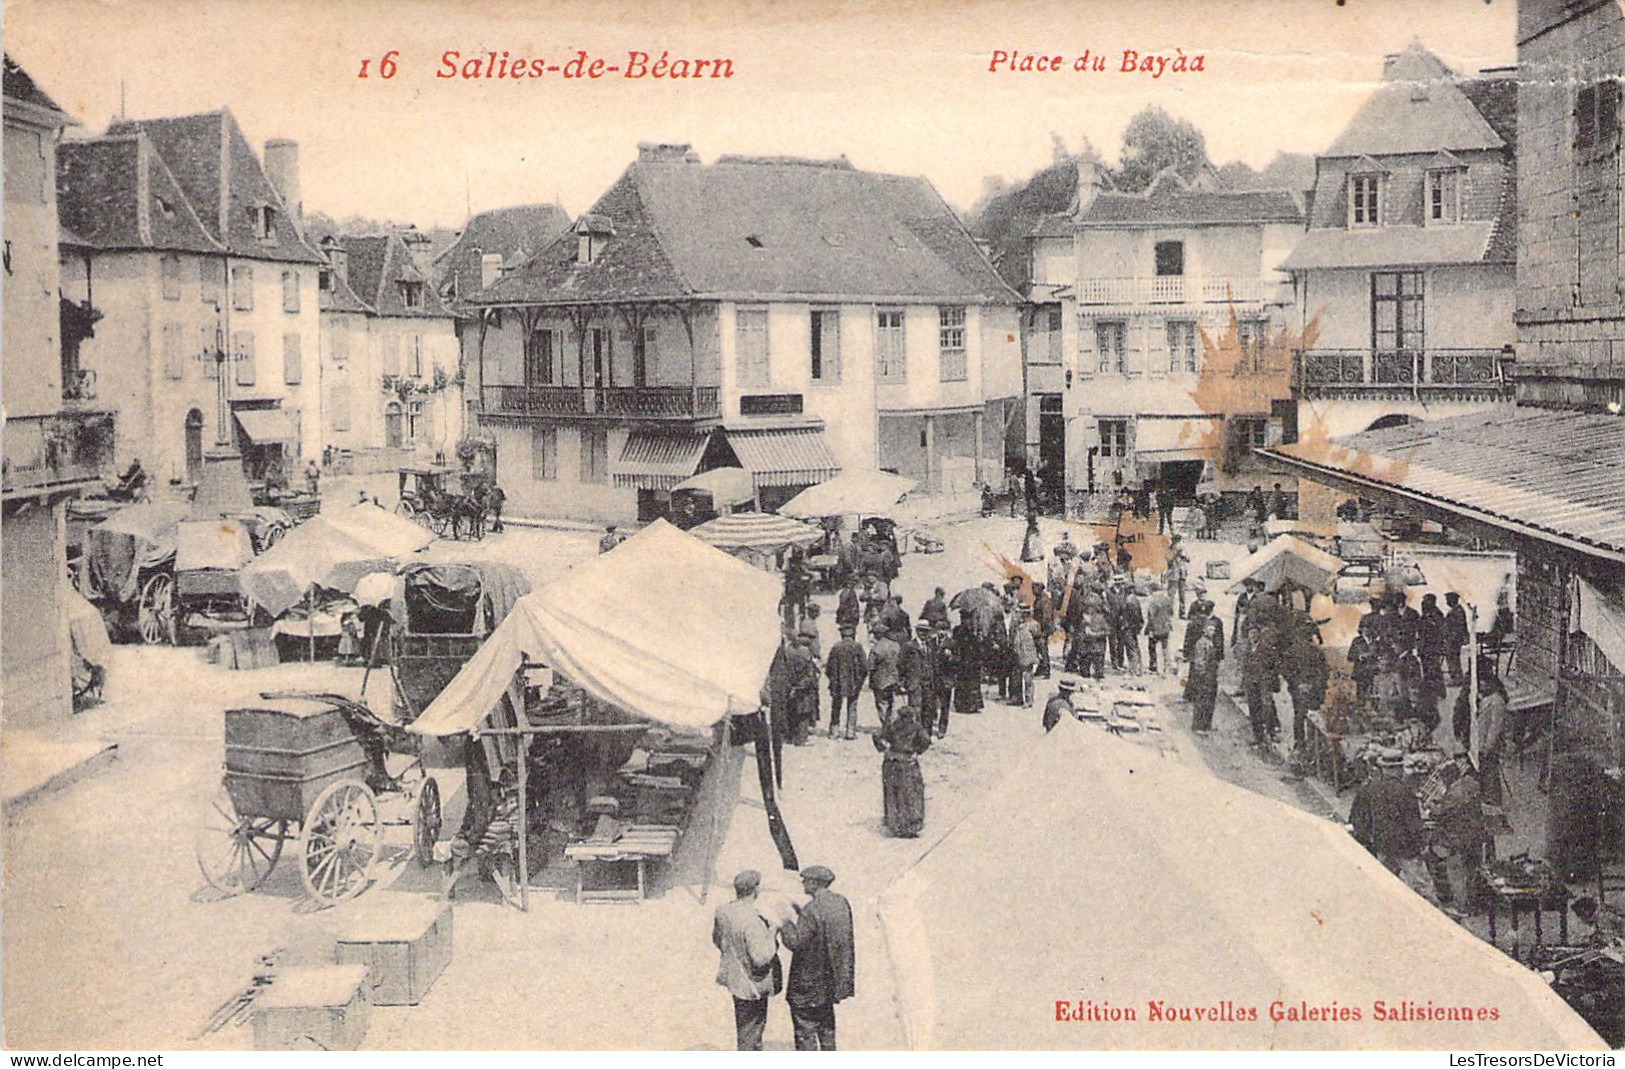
273, 535
426, 822
236, 853
155, 611
340, 842
405, 510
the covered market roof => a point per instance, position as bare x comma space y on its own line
1548, 474
1084, 883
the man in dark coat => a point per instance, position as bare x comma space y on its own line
822, 960
917, 673
967, 658
1060, 703
1430, 644
1043, 626
935, 611
803, 691
942, 661
1455, 636
850, 609
847, 668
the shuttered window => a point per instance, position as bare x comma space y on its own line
291, 359
242, 355
544, 453
242, 289
891, 353
752, 347
174, 357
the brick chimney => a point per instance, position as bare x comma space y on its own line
282, 168
1090, 182
651, 152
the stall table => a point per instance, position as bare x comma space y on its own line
1517, 899
639, 844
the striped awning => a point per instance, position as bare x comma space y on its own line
784, 457
756, 530
654, 461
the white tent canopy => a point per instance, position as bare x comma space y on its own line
1112, 873
379, 528
756, 530
666, 627
1288, 558
727, 486
854, 492
320, 552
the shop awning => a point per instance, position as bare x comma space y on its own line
654, 461
1158, 440
267, 426
785, 457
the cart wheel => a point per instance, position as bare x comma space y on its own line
426, 822
405, 510
273, 534
155, 611
340, 843
236, 853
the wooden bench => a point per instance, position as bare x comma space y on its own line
637, 846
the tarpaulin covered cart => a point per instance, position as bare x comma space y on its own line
666, 630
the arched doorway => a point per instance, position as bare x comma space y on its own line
392, 425
194, 445
1397, 419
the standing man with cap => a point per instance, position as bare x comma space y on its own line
1175, 568
749, 967
846, 669
821, 962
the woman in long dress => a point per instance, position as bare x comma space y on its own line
967, 658
902, 740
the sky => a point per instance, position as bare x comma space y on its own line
905, 90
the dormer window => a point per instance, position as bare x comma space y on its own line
324, 280
411, 294
490, 268
1365, 199
264, 217
592, 234
1443, 192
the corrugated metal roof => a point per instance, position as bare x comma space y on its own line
655, 461
1561, 473
785, 457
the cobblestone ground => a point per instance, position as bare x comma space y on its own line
111, 939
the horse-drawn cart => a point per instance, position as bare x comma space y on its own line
448, 501
313, 766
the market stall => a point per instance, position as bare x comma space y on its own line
757, 538
609, 688
853, 492
1252, 912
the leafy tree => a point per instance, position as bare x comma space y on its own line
1154, 141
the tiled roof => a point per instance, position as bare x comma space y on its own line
522, 231
19, 86
339, 295
220, 174
377, 264
1165, 204
107, 201
765, 228
1396, 246
1558, 474
1421, 107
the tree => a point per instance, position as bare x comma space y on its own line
1154, 141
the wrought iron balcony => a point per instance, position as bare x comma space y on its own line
1170, 289
57, 451
632, 403
1351, 372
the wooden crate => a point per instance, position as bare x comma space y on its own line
405, 942
320, 1008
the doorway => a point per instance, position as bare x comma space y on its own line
393, 431
1051, 442
194, 446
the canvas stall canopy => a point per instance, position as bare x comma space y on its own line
1288, 559
132, 539
665, 627
1106, 886
727, 486
379, 528
762, 531
320, 553
854, 492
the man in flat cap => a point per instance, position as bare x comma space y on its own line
821, 962
749, 967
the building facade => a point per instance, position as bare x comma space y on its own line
179, 246
56, 442
1404, 280
1170, 312
789, 316
389, 356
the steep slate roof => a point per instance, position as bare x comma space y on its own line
339, 296
117, 193
1420, 108
745, 227
522, 230
376, 263
1165, 204
20, 87
221, 176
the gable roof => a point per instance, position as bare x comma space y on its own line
1171, 203
20, 88
1420, 108
220, 175
376, 264
520, 230
338, 295
117, 193
747, 227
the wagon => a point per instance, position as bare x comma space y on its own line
311, 767
446, 500
445, 611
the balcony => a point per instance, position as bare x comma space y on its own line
628, 403
55, 452
1170, 289
1416, 372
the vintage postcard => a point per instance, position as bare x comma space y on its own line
924, 526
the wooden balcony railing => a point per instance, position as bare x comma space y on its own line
603, 402
1331, 371
56, 451
1170, 289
